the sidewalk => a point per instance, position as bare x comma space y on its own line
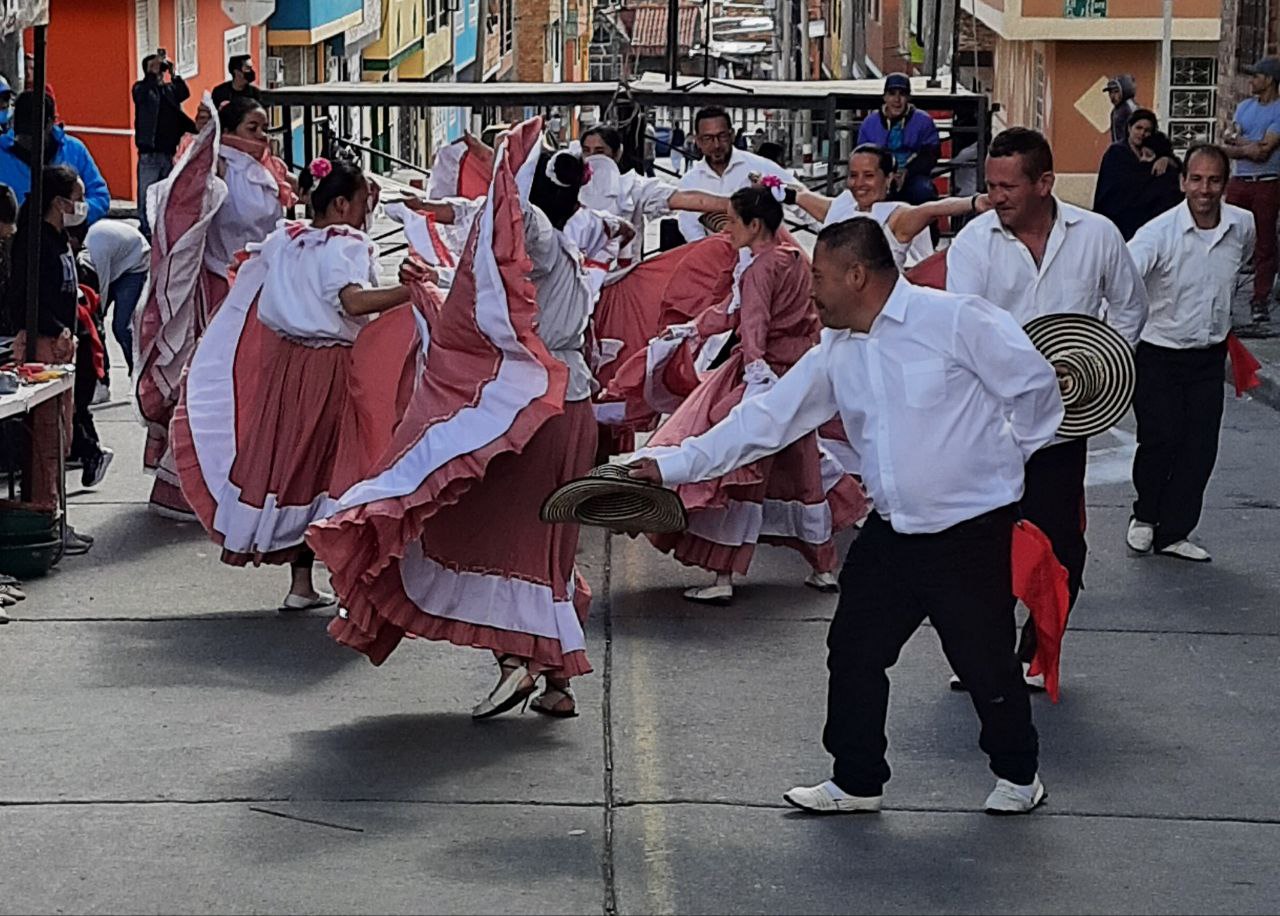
1267, 351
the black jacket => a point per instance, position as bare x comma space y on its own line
158, 119
58, 282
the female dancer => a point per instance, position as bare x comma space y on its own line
905, 226
227, 192
257, 433
443, 540
785, 499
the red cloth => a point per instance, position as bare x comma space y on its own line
85, 311
1244, 366
1040, 582
931, 272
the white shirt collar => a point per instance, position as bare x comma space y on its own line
1187, 223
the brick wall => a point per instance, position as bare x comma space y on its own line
1233, 86
532, 17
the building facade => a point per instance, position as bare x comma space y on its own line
93, 89
1052, 59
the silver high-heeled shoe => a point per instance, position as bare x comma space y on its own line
509, 693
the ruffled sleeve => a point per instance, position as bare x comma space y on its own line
348, 261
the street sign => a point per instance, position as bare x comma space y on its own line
248, 12
1085, 9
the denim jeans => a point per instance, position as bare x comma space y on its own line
123, 296
152, 167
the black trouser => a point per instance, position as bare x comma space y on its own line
960, 579
84, 435
1178, 403
1053, 501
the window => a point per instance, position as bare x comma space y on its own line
1192, 100
1251, 32
235, 41
148, 31
508, 20
188, 59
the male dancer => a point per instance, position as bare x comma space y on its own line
943, 399
1034, 255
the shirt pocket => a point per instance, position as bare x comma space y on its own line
924, 382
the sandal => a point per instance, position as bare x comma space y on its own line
555, 694
511, 690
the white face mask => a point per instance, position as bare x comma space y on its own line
79, 213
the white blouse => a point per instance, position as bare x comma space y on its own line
307, 269
905, 254
249, 214
629, 196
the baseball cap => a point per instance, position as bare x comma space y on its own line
1113, 85
1268, 66
898, 81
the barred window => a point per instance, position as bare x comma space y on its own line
1251, 32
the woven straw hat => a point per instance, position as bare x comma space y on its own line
1100, 370
609, 498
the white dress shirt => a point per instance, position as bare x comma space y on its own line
943, 401
905, 255
1086, 269
701, 177
1192, 281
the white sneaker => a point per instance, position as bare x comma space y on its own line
1140, 536
710, 594
828, 798
824, 582
101, 394
1185, 550
1011, 798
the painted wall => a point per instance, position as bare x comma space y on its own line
291, 15
94, 89
466, 33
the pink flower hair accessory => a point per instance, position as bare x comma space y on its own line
320, 168
586, 173
775, 187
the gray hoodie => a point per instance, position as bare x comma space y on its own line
1120, 113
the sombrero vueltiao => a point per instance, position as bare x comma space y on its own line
1100, 371
609, 498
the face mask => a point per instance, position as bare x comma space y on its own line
79, 213
249, 75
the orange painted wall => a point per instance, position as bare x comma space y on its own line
92, 55
1130, 9
1078, 145
89, 67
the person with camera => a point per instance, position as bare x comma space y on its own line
158, 124
240, 66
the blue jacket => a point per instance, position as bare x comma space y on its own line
17, 174
918, 136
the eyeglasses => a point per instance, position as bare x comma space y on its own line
723, 137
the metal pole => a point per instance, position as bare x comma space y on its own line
673, 41
35, 212
1166, 62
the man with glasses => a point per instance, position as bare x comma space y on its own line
723, 168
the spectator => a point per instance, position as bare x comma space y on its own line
241, 83
6, 103
158, 125
773, 152
29, 79
1139, 178
1122, 90
555, 124
677, 149
59, 149
122, 257
723, 168
1253, 141
8, 226
758, 139
910, 136
58, 327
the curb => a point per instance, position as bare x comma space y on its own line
1269, 391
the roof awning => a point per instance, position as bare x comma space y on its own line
649, 30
